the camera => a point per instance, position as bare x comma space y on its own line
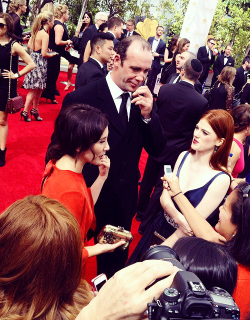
188, 298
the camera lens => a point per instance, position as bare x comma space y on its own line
160, 252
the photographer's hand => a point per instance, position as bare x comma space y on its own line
124, 295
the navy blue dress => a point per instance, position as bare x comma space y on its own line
160, 224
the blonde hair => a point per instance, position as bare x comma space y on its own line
14, 5
39, 21
40, 262
48, 7
60, 10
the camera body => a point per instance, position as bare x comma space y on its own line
189, 299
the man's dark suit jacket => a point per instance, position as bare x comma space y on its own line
239, 80
180, 108
86, 36
125, 31
202, 55
219, 65
117, 202
173, 76
88, 72
160, 49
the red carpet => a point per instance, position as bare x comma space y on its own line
27, 144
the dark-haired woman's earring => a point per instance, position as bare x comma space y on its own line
216, 149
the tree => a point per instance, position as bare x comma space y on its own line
231, 23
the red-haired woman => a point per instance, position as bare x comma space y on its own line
203, 177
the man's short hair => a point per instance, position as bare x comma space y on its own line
193, 69
114, 21
99, 39
160, 27
228, 45
99, 15
247, 58
131, 21
123, 46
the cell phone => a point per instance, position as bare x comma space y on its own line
98, 281
168, 170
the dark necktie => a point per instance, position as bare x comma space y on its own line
123, 109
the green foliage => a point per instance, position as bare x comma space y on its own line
231, 23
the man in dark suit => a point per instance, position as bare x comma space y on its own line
179, 108
206, 55
180, 60
133, 125
222, 61
158, 49
241, 74
115, 27
101, 53
130, 29
100, 18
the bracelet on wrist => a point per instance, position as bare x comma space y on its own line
176, 194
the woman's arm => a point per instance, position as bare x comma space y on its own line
58, 36
229, 100
103, 174
87, 52
235, 150
19, 50
199, 225
166, 54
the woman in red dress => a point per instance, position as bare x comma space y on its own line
82, 137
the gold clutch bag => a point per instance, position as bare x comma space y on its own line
110, 234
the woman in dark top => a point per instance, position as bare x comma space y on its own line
168, 56
85, 23
16, 9
58, 40
223, 91
7, 47
182, 46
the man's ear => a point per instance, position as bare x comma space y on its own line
117, 60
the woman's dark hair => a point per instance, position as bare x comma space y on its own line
84, 24
241, 116
102, 27
173, 43
210, 261
10, 23
77, 128
239, 245
179, 48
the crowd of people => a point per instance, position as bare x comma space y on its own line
91, 177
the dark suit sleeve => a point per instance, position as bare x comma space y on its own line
245, 93
86, 36
202, 55
154, 138
215, 67
162, 50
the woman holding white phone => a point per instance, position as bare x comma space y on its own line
203, 177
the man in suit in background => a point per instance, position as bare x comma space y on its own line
241, 74
133, 125
179, 108
102, 46
158, 49
115, 27
206, 55
222, 61
180, 60
130, 29
100, 17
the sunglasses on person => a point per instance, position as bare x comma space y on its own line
212, 43
2, 25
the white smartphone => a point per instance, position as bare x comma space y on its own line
168, 170
99, 281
